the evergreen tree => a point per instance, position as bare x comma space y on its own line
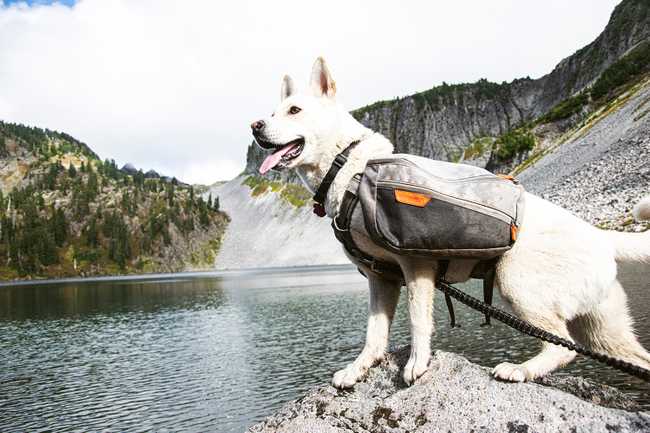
58, 226
92, 238
72, 171
170, 192
204, 218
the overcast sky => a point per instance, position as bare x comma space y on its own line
173, 85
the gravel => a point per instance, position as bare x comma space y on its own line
602, 174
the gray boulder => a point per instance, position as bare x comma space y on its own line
455, 395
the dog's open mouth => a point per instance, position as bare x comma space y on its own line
282, 155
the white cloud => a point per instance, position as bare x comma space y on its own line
173, 85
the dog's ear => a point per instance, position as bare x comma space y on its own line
288, 88
322, 83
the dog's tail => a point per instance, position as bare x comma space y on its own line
633, 247
641, 211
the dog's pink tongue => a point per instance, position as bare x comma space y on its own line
274, 159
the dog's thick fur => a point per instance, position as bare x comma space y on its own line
560, 275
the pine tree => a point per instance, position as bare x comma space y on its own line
91, 233
169, 190
72, 171
58, 226
204, 218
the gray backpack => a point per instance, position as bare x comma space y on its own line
418, 206
422, 207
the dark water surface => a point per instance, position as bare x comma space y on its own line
215, 353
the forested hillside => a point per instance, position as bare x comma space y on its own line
64, 212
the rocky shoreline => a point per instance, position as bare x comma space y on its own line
455, 395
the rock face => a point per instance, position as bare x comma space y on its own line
441, 123
266, 231
455, 395
603, 168
599, 172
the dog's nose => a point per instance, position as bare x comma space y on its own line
258, 126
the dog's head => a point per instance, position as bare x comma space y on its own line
306, 125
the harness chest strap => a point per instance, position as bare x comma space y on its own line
321, 193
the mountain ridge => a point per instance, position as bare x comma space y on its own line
64, 212
444, 121
578, 136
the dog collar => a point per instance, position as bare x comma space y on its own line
321, 192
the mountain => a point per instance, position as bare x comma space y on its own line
64, 212
578, 136
272, 224
444, 121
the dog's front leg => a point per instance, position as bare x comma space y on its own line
384, 295
420, 280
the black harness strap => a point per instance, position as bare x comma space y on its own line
323, 188
488, 290
442, 272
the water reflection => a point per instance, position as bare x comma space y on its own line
84, 299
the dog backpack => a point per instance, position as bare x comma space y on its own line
422, 207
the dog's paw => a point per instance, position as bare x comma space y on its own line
415, 367
510, 372
347, 377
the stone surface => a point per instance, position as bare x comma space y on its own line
455, 395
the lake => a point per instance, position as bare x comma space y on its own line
216, 352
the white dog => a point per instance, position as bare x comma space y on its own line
560, 275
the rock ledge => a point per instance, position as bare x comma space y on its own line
455, 395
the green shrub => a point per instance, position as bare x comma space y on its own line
295, 195
622, 71
477, 147
566, 108
513, 143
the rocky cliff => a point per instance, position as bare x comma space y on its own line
600, 168
442, 122
272, 224
578, 136
455, 395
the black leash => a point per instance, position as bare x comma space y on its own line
321, 193
528, 329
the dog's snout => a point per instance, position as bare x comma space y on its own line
258, 126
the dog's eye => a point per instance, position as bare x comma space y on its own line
294, 110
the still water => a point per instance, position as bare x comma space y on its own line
214, 352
